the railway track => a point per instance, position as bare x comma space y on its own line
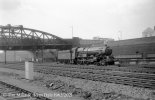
146, 83
91, 71
11, 92
107, 68
93, 67
110, 73
144, 80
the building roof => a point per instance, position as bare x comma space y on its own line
133, 41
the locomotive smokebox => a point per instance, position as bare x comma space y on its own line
108, 51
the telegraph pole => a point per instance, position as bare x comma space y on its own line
72, 31
119, 35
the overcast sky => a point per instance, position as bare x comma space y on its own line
90, 18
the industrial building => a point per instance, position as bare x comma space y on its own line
148, 32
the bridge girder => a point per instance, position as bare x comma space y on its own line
18, 37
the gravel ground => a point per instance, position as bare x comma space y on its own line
86, 89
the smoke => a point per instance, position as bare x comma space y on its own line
9, 5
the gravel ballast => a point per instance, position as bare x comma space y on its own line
84, 88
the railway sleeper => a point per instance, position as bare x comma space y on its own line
18, 90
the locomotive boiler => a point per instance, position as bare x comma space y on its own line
89, 55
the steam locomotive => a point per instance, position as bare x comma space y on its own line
90, 55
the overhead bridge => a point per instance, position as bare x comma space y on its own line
21, 38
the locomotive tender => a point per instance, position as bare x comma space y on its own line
89, 55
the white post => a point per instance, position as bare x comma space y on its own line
29, 70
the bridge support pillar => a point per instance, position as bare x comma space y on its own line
42, 54
5, 56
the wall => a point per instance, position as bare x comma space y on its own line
134, 47
16, 56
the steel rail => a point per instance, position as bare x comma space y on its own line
17, 89
109, 78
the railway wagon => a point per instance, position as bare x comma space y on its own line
90, 55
